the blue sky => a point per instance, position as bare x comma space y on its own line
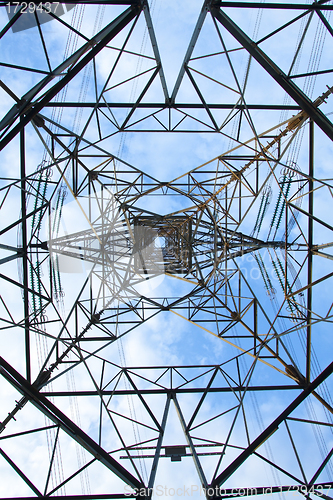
167, 338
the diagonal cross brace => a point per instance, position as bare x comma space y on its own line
102, 39
279, 76
59, 418
271, 428
190, 49
154, 44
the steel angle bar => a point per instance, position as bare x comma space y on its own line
20, 473
24, 102
69, 427
12, 21
191, 445
102, 39
310, 214
162, 105
221, 478
190, 48
21, 220
279, 76
153, 40
201, 97
12, 257
310, 255
86, 2
24, 253
159, 445
275, 5
101, 496
141, 96
190, 390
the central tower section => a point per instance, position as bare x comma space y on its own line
168, 237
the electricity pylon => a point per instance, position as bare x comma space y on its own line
234, 254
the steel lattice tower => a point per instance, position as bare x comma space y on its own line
166, 329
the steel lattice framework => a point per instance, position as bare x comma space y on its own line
233, 255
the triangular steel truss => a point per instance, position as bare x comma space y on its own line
213, 278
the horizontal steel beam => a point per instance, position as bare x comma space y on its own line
163, 105
271, 428
170, 391
101, 496
87, 2
277, 74
69, 427
274, 5
231, 492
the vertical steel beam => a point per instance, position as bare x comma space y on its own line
25, 255
310, 244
